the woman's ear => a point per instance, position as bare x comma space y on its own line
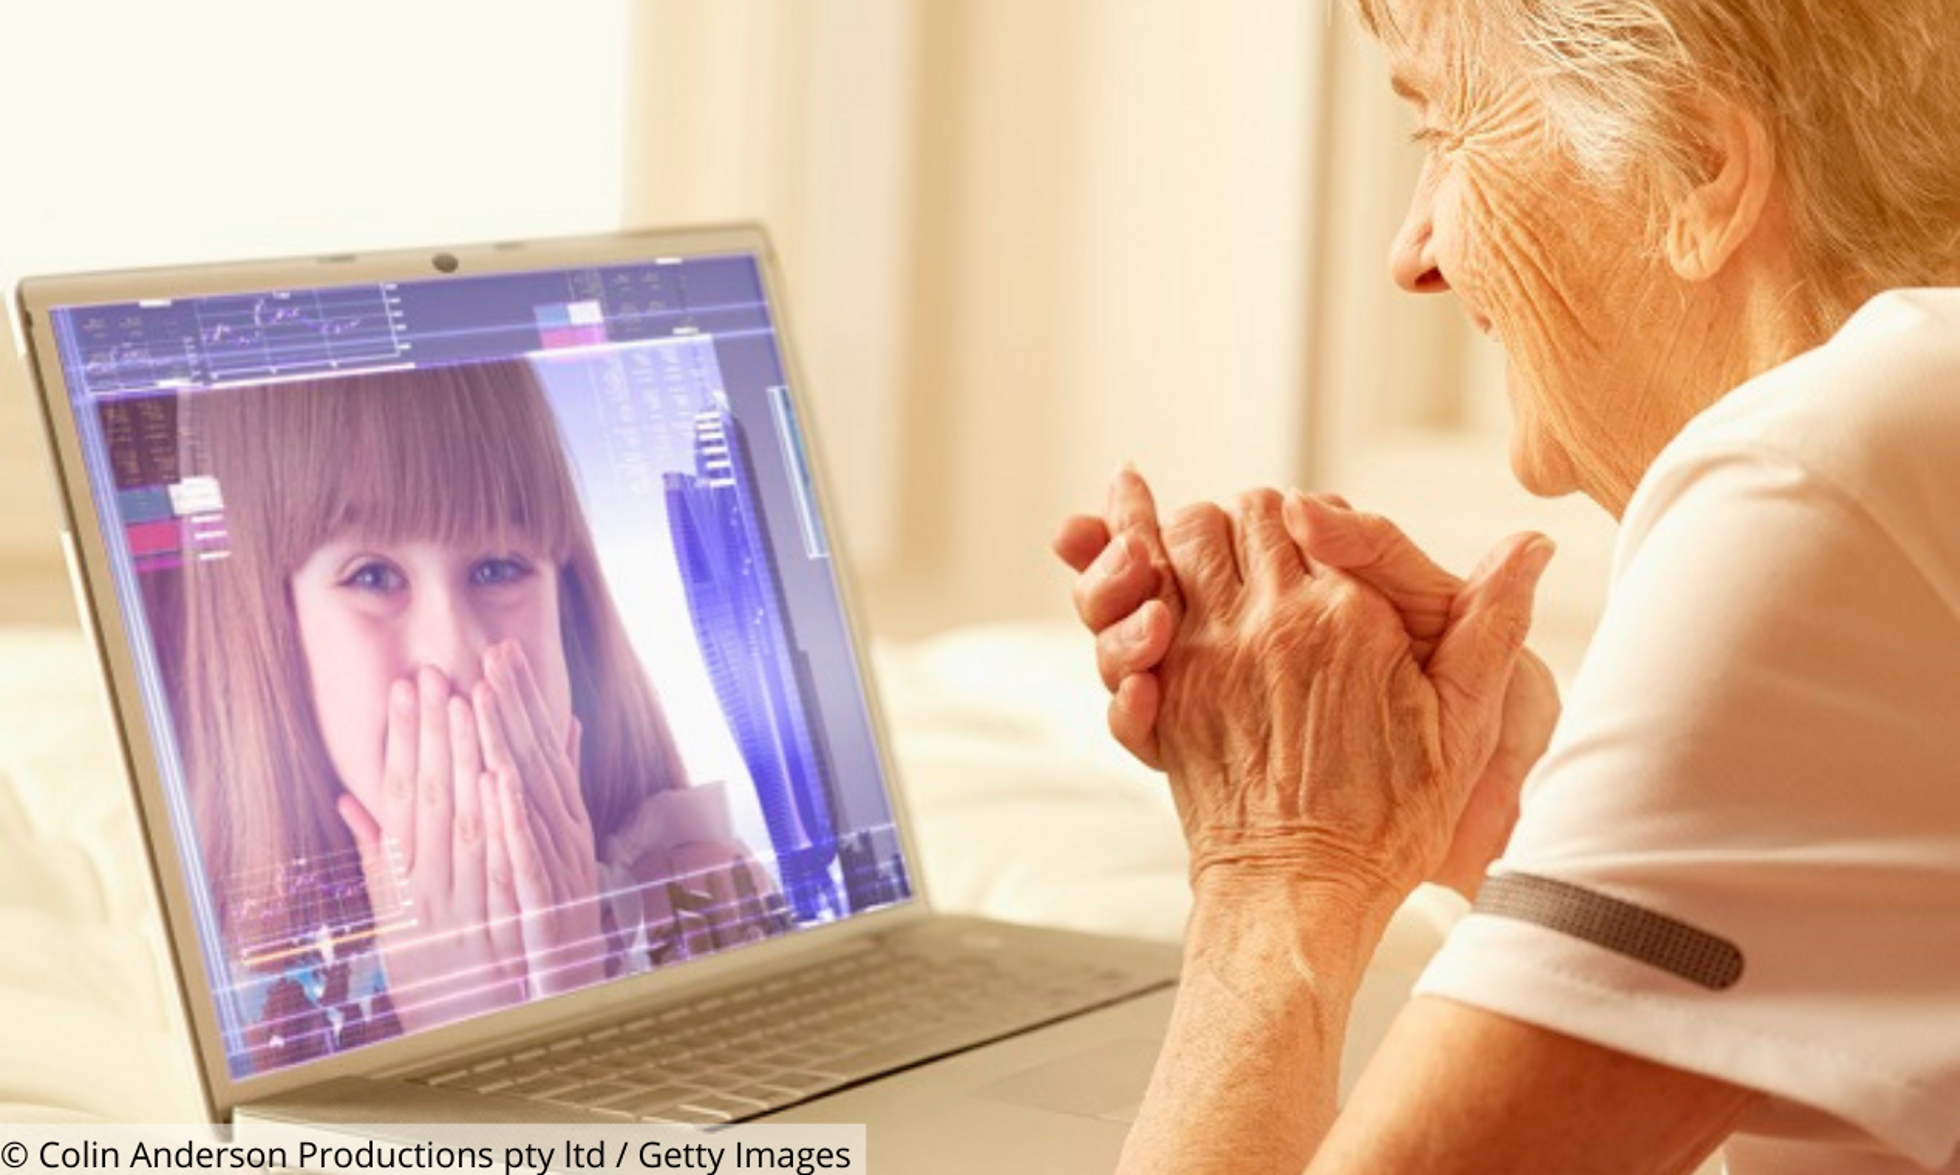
1713, 219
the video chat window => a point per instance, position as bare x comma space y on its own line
491, 633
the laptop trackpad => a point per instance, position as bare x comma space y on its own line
1106, 1082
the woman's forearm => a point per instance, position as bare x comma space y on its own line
1249, 1072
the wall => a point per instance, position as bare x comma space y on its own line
205, 129
1025, 240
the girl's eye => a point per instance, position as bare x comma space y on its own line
498, 572
376, 576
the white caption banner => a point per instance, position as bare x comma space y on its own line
493, 1148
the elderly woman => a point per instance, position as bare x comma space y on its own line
1730, 909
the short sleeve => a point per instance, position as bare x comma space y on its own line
1740, 855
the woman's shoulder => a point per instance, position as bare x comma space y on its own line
1870, 420
1889, 377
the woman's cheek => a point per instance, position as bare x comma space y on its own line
1497, 265
1468, 237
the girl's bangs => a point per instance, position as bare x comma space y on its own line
461, 456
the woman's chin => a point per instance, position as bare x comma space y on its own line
1542, 473
1537, 463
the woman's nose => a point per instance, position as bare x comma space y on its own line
1412, 259
447, 634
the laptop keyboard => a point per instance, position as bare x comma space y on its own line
737, 1054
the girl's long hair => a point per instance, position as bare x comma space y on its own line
468, 455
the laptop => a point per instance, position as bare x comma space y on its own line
484, 663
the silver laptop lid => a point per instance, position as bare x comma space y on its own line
476, 633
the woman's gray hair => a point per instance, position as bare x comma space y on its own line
1861, 100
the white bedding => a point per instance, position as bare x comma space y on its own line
1024, 811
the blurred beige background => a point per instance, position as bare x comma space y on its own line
1026, 239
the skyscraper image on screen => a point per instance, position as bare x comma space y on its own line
735, 598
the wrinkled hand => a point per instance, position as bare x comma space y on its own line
1302, 735
1114, 598
1126, 594
1333, 534
1530, 711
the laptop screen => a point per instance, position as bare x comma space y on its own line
488, 633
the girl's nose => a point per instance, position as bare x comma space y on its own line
448, 635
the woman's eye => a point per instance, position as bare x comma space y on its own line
1428, 137
497, 572
376, 577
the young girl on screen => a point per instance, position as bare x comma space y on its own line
429, 775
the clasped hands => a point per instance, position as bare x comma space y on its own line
1332, 708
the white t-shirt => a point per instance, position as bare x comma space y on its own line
1763, 744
